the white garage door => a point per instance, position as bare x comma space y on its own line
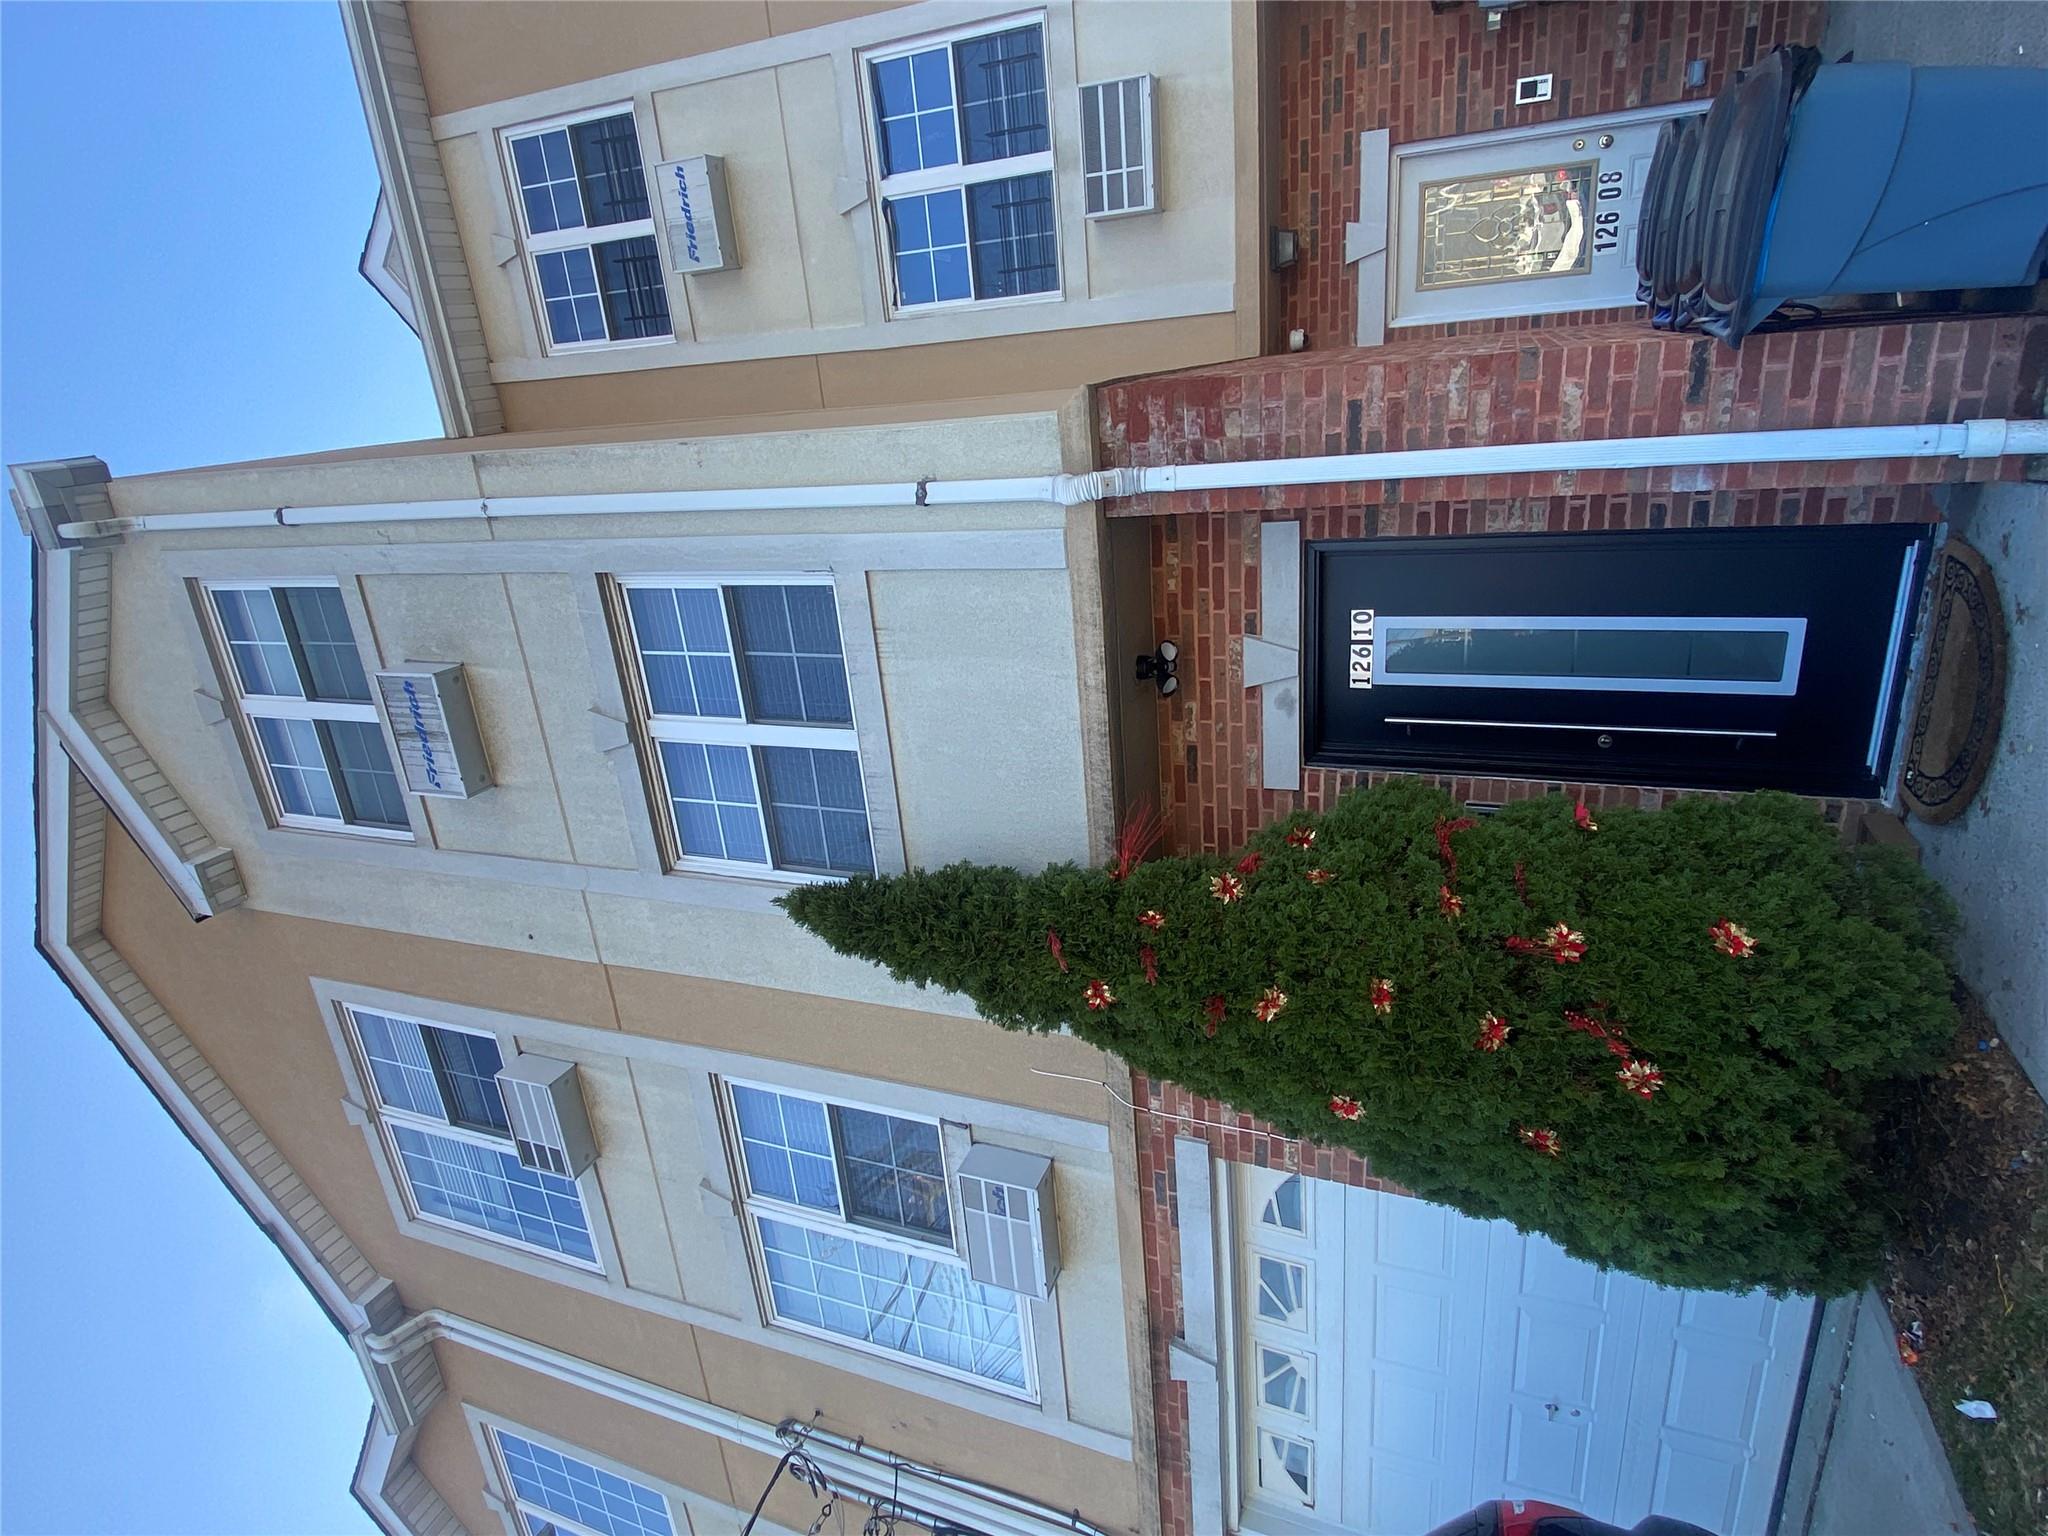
1402, 1363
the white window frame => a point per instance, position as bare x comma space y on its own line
520, 1513
584, 236
387, 1117
275, 706
959, 175
743, 733
754, 1205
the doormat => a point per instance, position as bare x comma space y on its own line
1962, 688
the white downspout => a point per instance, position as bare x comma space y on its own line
853, 1469
1961, 440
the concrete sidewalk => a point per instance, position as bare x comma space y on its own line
1866, 1460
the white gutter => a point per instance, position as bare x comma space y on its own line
859, 1472
1960, 440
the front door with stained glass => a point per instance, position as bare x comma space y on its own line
1518, 224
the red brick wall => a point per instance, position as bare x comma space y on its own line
1619, 379
1335, 70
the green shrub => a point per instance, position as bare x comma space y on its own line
1749, 1165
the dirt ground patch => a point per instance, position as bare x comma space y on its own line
1968, 1284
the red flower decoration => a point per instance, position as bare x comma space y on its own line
1213, 1011
1139, 835
1302, 837
1270, 1002
1545, 1142
1641, 1078
1517, 945
1616, 1046
1052, 942
1449, 903
1732, 940
1226, 888
1149, 958
1099, 996
1567, 945
1152, 918
1320, 877
1249, 864
1382, 995
1444, 829
1345, 1107
1493, 1033
1584, 818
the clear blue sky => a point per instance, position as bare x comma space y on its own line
183, 197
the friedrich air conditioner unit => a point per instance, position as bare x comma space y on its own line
550, 1127
1013, 1234
440, 751
1120, 147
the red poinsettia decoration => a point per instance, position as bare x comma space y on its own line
1493, 1033
1382, 995
1444, 829
1249, 864
1268, 1007
1302, 837
1149, 958
1214, 1008
1449, 902
1152, 918
1226, 888
1320, 877
1052, 942
1567, 945
1641, 1078
1546, 1142
1584, 818
1098, 996
1611, 1038
1732, 939
1345, 1107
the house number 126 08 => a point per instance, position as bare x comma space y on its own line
1607, 222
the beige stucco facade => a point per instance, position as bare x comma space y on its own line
809, 318
548, 913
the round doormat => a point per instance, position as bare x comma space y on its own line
1962, 687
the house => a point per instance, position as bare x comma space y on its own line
412, 817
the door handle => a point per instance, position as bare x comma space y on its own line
1546, 725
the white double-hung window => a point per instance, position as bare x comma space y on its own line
449, 1139
588, 230
558, 1493
853, 1231
742, 695
309, 719
961, 140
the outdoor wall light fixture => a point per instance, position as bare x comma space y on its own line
1161, 668
1283, 248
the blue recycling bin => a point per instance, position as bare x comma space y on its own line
1808, 181
1903, 179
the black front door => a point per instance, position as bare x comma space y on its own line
1722, 658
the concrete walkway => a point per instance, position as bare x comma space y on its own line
1994, 857
1866, 1460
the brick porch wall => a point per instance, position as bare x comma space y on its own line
1619, 379
1336, 70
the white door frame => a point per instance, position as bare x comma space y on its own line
1377, 228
